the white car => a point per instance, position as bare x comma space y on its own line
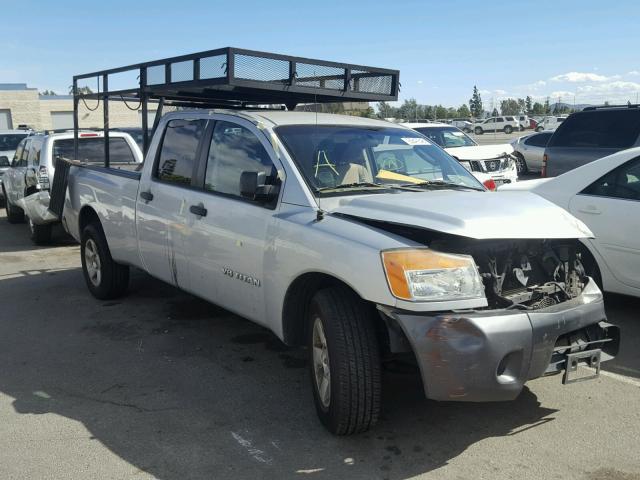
550, 123
506, 124
529, 151
491, 164
605, 195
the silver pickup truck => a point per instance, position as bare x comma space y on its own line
356, 238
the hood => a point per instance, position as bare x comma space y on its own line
480, 215
480, 152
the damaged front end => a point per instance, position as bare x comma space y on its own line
544, 315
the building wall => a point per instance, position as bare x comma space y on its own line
27, 107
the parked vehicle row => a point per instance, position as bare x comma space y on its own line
27, 181
491, 164
9, 140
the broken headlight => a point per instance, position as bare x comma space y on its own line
422, 274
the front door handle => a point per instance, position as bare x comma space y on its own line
146, 196
198, 210
591, 209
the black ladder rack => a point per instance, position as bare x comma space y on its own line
234, 78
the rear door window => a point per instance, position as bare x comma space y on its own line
599, 129
539, 140
622, 182
24, 155
179, 151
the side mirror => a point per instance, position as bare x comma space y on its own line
4, 161
253, 186
31, 177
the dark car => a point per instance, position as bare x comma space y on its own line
589, 135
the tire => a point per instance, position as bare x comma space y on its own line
351, 356
521, 164
40, 234
14, 214
478, 131
105, 278
539, 129
508, 129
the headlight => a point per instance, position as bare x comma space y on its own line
426, 275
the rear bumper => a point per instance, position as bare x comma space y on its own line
481, 356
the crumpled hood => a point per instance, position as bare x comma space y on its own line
480, 152
480, 215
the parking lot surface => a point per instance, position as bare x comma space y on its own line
493, 138
162, 385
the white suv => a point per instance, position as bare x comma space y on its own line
506, 124
550, 123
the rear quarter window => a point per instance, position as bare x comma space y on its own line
91, 150
598, 129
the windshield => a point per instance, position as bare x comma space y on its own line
343, 156
10, 141
447, 137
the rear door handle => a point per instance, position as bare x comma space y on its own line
198, 210
591, 209
146, 196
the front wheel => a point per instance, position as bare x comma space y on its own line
105, 278
478, 131
14, 214
344, 361
539, 129
508, 129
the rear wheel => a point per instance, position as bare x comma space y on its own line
521, 164
508, 129
105, 278
40, 234
478, 131
539, 129
344, 361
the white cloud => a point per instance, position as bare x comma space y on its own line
611, 88
420, 82
553, 96
500, 92
575, 77
633, 73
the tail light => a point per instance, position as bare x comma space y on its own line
43, 177
490, 184
545, 159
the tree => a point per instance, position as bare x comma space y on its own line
528, 105
494, 113
463, 111
538, 109
475, 103
509, 106
441, 112
547, 108
385, 110
522, 105
50, 93
409, 110
81, 90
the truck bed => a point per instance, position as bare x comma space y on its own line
112, 193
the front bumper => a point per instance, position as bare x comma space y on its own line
480, 356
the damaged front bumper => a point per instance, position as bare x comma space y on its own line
36, 207
481, 356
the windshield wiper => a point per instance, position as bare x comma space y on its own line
354, 185
441, 183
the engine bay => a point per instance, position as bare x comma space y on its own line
525, 274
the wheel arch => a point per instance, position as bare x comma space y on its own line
87, 216
298, 298
591, 260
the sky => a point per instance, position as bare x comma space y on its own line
577, 51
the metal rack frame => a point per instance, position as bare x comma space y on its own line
236, 78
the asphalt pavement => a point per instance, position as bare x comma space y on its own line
159, 384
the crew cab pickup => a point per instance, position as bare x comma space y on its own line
303, 223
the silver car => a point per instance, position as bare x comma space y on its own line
9, 140
529, 151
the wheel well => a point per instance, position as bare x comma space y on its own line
591, 265
87, 215
296, 304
